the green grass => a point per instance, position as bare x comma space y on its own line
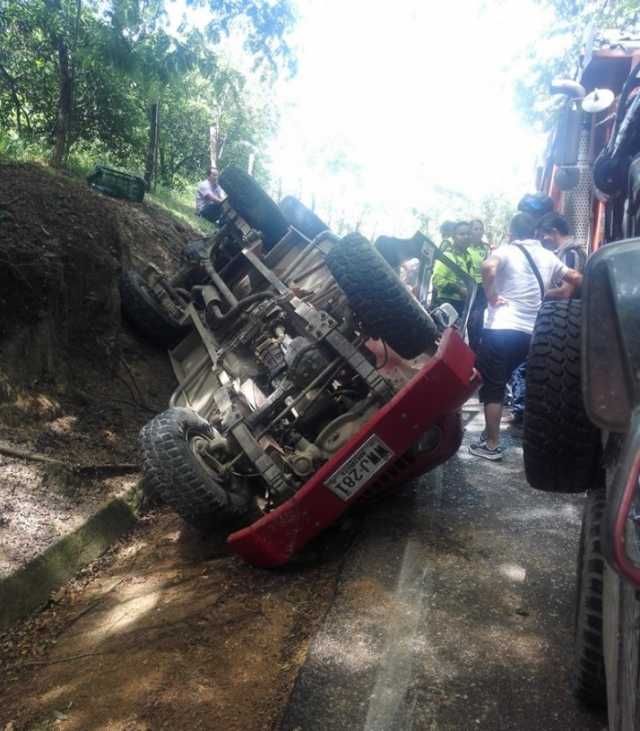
179, 203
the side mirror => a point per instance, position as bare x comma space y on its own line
568, 87
611, 335
444, 316
567, 137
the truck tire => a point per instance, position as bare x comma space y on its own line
378, 298
183, 479
251, 202
589, 681
301, 217
146, 314
561, 446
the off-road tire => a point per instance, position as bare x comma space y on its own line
561, 446
378, 298
589, 681
251, 202
199, 495
301, 217
146, 314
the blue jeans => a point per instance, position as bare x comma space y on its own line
501, 352
211, 212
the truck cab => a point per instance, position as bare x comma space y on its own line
592, 173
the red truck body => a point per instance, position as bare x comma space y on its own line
432, 399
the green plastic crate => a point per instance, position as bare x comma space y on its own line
116, 183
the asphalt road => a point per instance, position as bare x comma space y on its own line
454, 610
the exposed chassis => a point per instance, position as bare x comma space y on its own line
408, 422
424, 416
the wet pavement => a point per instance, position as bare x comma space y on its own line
454, 610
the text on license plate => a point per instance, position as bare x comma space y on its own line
370, 458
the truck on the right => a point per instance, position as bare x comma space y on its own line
582, 408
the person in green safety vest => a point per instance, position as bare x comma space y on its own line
478, 250
478, 247
446, 232
446, 285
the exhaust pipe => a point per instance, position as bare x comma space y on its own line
569, 88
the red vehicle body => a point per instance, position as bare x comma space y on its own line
309, 376
431, 399
592, 175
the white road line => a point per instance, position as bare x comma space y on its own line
389, 708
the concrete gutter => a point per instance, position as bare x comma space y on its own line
29, 587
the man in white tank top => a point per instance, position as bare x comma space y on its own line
514, 278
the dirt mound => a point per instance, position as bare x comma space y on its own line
63, 246
75, 383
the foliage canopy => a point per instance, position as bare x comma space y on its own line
107, 79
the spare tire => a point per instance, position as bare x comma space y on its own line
172, 462
251, 202
378, 298
146, 314
561, 446
301, 217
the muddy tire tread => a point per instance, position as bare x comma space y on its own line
301, 217
561, 446
253, 204
145, 314
198, 495
379, 299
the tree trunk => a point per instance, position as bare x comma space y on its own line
214, 138
162, 167
152, 145
157, 146
65, 96
16, 99
65, 91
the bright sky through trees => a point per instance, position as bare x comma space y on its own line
397, 103
418, 95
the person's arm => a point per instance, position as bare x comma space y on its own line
563, 292
489, 269
573, 277
445, 282
571, 281
213, 197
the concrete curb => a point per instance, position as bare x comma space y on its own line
29, 587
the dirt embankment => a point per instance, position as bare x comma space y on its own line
75, 383
63, 246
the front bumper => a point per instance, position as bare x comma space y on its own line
430, 399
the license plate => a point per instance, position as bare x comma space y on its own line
370, 458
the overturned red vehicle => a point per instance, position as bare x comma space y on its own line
308, 375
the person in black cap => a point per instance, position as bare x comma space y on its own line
447, 230
536, 205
